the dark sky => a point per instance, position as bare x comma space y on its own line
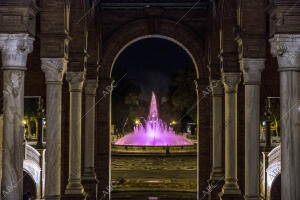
152, 63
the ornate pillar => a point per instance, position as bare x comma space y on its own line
252, 68
74, 186
14, 49
217, 107
54, 69
89, 178
231, 189
286, 47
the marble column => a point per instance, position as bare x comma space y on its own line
231, 81
286, 47
75, 80
217, 107
252, 68
14, 50
89, 179
54, 69
89, 151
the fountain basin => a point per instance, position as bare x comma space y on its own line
159, 150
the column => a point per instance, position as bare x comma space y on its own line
217, 107
103, 140
286, 47
14, 49
54, 69
89, 176
230, 81
75, 80
252, 68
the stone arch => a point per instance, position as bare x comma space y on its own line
161, 28
29, 184
275, 191
274, 168
123, 37
31, 165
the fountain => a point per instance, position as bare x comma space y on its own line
154, 133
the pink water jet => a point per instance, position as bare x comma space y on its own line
154, 133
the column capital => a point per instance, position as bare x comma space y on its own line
216, 87
14, 49
54, 69
231, 81
286, 47
91, 86
75, 80
252, 68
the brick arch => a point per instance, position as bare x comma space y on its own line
161, 28
126, 35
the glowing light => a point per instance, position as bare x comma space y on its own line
24, 122
264, 123
137, 122
153, 181
173, 122
154, 133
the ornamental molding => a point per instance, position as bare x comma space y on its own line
15, 49
91, 87
286, 48
231, 81
54, 69
76, 80
252, 68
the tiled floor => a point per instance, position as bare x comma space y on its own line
154, 177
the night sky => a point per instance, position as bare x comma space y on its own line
152, 63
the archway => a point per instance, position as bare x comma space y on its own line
127, 35
276, 188
273, 171
29, 186
31, 166
153, 64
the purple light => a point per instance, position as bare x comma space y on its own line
155, 132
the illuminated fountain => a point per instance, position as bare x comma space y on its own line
154, 133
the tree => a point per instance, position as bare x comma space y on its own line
183, 97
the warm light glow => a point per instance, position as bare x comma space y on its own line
173, 122
137, 121
24, 122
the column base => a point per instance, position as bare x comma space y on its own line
53, 197
75, 196
231, 191
216, 186
252, 198
230, 196
90, 187
74, 188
